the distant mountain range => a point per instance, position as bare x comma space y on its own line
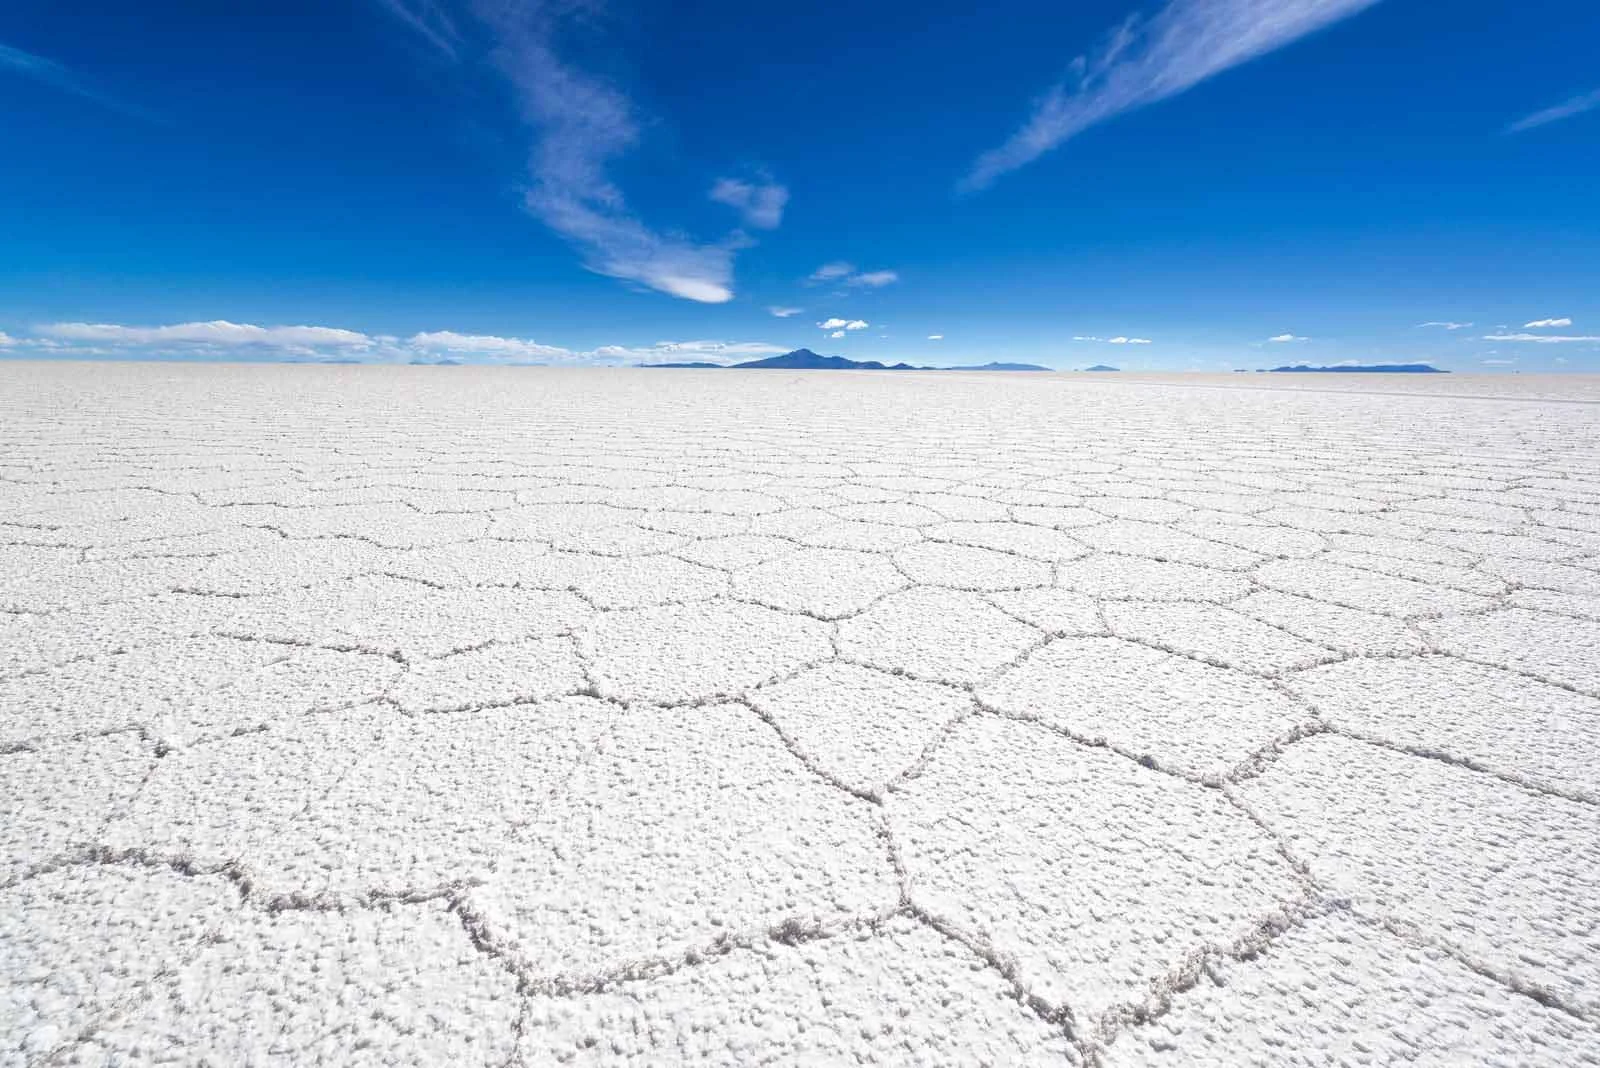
1102, 367
806, 360
1383, 368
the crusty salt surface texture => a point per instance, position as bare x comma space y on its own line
458, 716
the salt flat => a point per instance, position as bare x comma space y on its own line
525, 716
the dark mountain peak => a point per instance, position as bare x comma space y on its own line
1377, 368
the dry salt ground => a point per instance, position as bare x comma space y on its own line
539, 717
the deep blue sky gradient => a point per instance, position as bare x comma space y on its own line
319, 163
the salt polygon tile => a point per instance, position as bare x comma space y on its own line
381, 986
1178, 713
1347, 630
503, 673
826, 583
389, 615
862, 727
304, 681
1052, 609
1541, 735
1159, 542
938, 634
1558, 648
737, 551
83, 943
1113, 576
1093, 875
1570, 604
224, 800
1023, 539
1337, 991
900, 996
1503, 874
685, 652
56, 798
695, 823
647, 580
826, 531
1214, 634
123, 690
1365, 590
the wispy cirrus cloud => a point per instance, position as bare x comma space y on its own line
59, 77
1539, 324
780, 311
1565, 110
1445, 325
1285, 339
583, 124
1148, 59
1120, 339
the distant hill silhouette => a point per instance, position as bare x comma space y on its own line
1102, 367
806, 360
1380, 368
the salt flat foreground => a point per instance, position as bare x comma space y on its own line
458, 716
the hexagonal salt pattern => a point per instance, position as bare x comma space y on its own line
523, 717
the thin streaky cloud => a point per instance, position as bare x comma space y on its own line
53, 74
1445, 325
429, 21
780, 311
873, 279
1538, 324
1544, 339
1565, 110
1286, 338
1148, 59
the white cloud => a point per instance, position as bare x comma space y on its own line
583, 124
1118, 340
1285, 338
1498, 363
217, 333
6, 339
935, 337
685, 352
843, 324
222, 339
828, 272
837, 333
1145, 60
1547, 339
487, 346
760, 204
783, 312
1565, 110
1541, 323
1446, 325
843, 271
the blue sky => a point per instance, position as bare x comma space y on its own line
1192, 184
